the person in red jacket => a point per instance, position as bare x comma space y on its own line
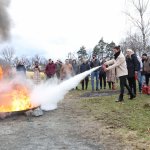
50, 69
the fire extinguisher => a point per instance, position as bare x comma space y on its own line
148, 90
145, 89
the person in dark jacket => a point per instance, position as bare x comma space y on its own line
132, 66
146, 67
95, 74
50, 69
102, 76
140, 75
58, 65
20, 68
84, 67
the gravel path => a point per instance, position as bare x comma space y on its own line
62, 129
55, 130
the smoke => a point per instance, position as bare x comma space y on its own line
4, 20
47, 95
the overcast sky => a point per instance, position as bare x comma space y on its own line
56, 27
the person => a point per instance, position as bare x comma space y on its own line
111, 78
58, 67
95, 74
119, 63
75, 66
132, 67
102, 76
20, 68
84, 67
50, 69
76, 69
146, 67
66, 70
140, 75
36, 75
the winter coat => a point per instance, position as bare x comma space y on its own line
101, 71
21, 68
111, 75
75, 68
36, 75
146, 65
58, 67
66, 71
84, 67
120, 64
95, 63
50, 69
132, 65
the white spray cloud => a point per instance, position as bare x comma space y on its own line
48, 94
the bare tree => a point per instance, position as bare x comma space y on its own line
7, 54
140, 21
132, 41
15, 61
36, 58
71, 56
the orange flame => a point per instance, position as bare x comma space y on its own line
15, 99
1, 73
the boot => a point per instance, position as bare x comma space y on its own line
113, 87
132, 96
120, 99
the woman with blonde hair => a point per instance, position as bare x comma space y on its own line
132, 66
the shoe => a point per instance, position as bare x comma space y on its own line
119, 100
97, 89
132, 96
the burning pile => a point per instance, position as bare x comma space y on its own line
16, 98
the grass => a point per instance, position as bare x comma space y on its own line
29, 75
131, 115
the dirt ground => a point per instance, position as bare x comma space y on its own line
66, 128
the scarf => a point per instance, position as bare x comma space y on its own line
116, 55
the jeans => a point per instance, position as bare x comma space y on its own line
140, 82
96, 75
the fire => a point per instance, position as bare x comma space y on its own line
15, 99
1, 73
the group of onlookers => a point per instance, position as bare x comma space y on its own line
129, 67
